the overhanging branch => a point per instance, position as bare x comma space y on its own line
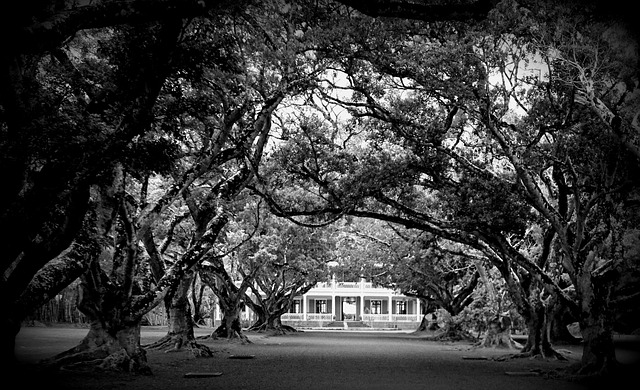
425, 10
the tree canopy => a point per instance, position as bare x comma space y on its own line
509, 128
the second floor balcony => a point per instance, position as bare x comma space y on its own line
361, 286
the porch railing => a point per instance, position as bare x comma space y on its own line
319, 317
292, 317
394, 318
362, 285
404, 317
348, 285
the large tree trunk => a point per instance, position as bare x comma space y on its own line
538, 342
559, 317
272, 322
269, 314
197, 295
230, 299
596, 323
54, 277
429, 320
46, 284
180, 335
9, 328
449, 328
113, 341
499, 335
261, 315
40, 222
108, 346
598, 354
424, 324
231, 327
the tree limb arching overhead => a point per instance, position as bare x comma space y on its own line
425, 10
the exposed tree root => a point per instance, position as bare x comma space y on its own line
235, 333
273, 330
523, 355
540, 353
500, 340
100, 358
449, 333
179, 343
77, 355
239, 336
234, 336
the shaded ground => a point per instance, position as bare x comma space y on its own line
306, 360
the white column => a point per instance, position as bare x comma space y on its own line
305, 309
361, 306
418, 310
390, 308
333, 306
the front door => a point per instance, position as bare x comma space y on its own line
349, 309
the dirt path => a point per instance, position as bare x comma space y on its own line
316, 360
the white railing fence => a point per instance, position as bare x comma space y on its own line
365, 317
394, 318
348, 285
404, 317
362, 285
292, 317
375, 317
319, 317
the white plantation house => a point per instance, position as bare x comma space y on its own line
357, 302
